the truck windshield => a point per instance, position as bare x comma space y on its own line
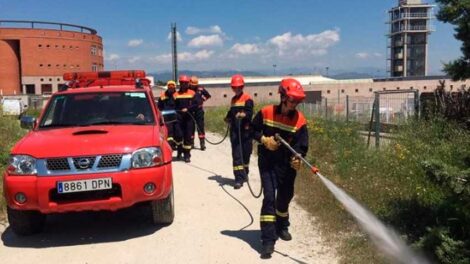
88, 109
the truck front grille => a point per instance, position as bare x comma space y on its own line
83, 164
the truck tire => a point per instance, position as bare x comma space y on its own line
163, 211
24, 223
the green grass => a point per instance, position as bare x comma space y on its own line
390, 181
10, 133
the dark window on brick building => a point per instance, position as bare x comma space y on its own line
46, 88
30, 89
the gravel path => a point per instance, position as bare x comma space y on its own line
214, 224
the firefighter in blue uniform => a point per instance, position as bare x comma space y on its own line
239, 117
167, 105
201, 95
184, 104
277, 166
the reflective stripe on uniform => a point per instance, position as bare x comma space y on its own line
246, 165
187, 146
178, 142
279, 125
281, 214
290, 124
267, 218
170, 139
235, 168
184, 96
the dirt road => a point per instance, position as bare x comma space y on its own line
214, 224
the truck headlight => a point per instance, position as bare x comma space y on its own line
22, 165
147, 157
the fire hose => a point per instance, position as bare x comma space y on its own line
239, 121
296, 154
169, 113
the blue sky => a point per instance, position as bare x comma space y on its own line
237, 35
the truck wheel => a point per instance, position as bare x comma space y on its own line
25, 223
163, 211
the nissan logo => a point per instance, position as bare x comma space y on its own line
83, 163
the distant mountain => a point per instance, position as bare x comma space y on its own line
351, 75
365, 72
165, 76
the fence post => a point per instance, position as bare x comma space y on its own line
417, 105
347, 108
377, 119
326, 108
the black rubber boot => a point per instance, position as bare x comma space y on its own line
237, 185
267, 250
179, 156
284, 234
203, 144
187, 157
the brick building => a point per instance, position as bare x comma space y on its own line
35, 54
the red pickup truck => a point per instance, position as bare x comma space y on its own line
99, 144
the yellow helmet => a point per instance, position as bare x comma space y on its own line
194, 80
171, 83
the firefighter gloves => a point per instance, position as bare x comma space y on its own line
270, 143
295, 163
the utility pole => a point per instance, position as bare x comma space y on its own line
174, 52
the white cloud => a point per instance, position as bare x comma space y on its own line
245, 49
113, 57
206, 41
178, 36
135, 42
193, 30
198, 56
162, 58
211, 30
216, 29
362, 55
366, 55
300, 45
133, 59
201, 55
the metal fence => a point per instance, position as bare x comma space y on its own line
394, 107
378, 114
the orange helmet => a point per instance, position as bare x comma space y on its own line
237, 81
183, 78
194, 81
292, 88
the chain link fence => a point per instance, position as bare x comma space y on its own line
387, 109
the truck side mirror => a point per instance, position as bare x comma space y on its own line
169, 116
27, 122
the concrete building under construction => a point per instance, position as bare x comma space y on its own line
410, 26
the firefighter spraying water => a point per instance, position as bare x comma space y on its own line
277, 165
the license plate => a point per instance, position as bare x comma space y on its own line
84, 185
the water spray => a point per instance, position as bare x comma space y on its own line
385, 238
